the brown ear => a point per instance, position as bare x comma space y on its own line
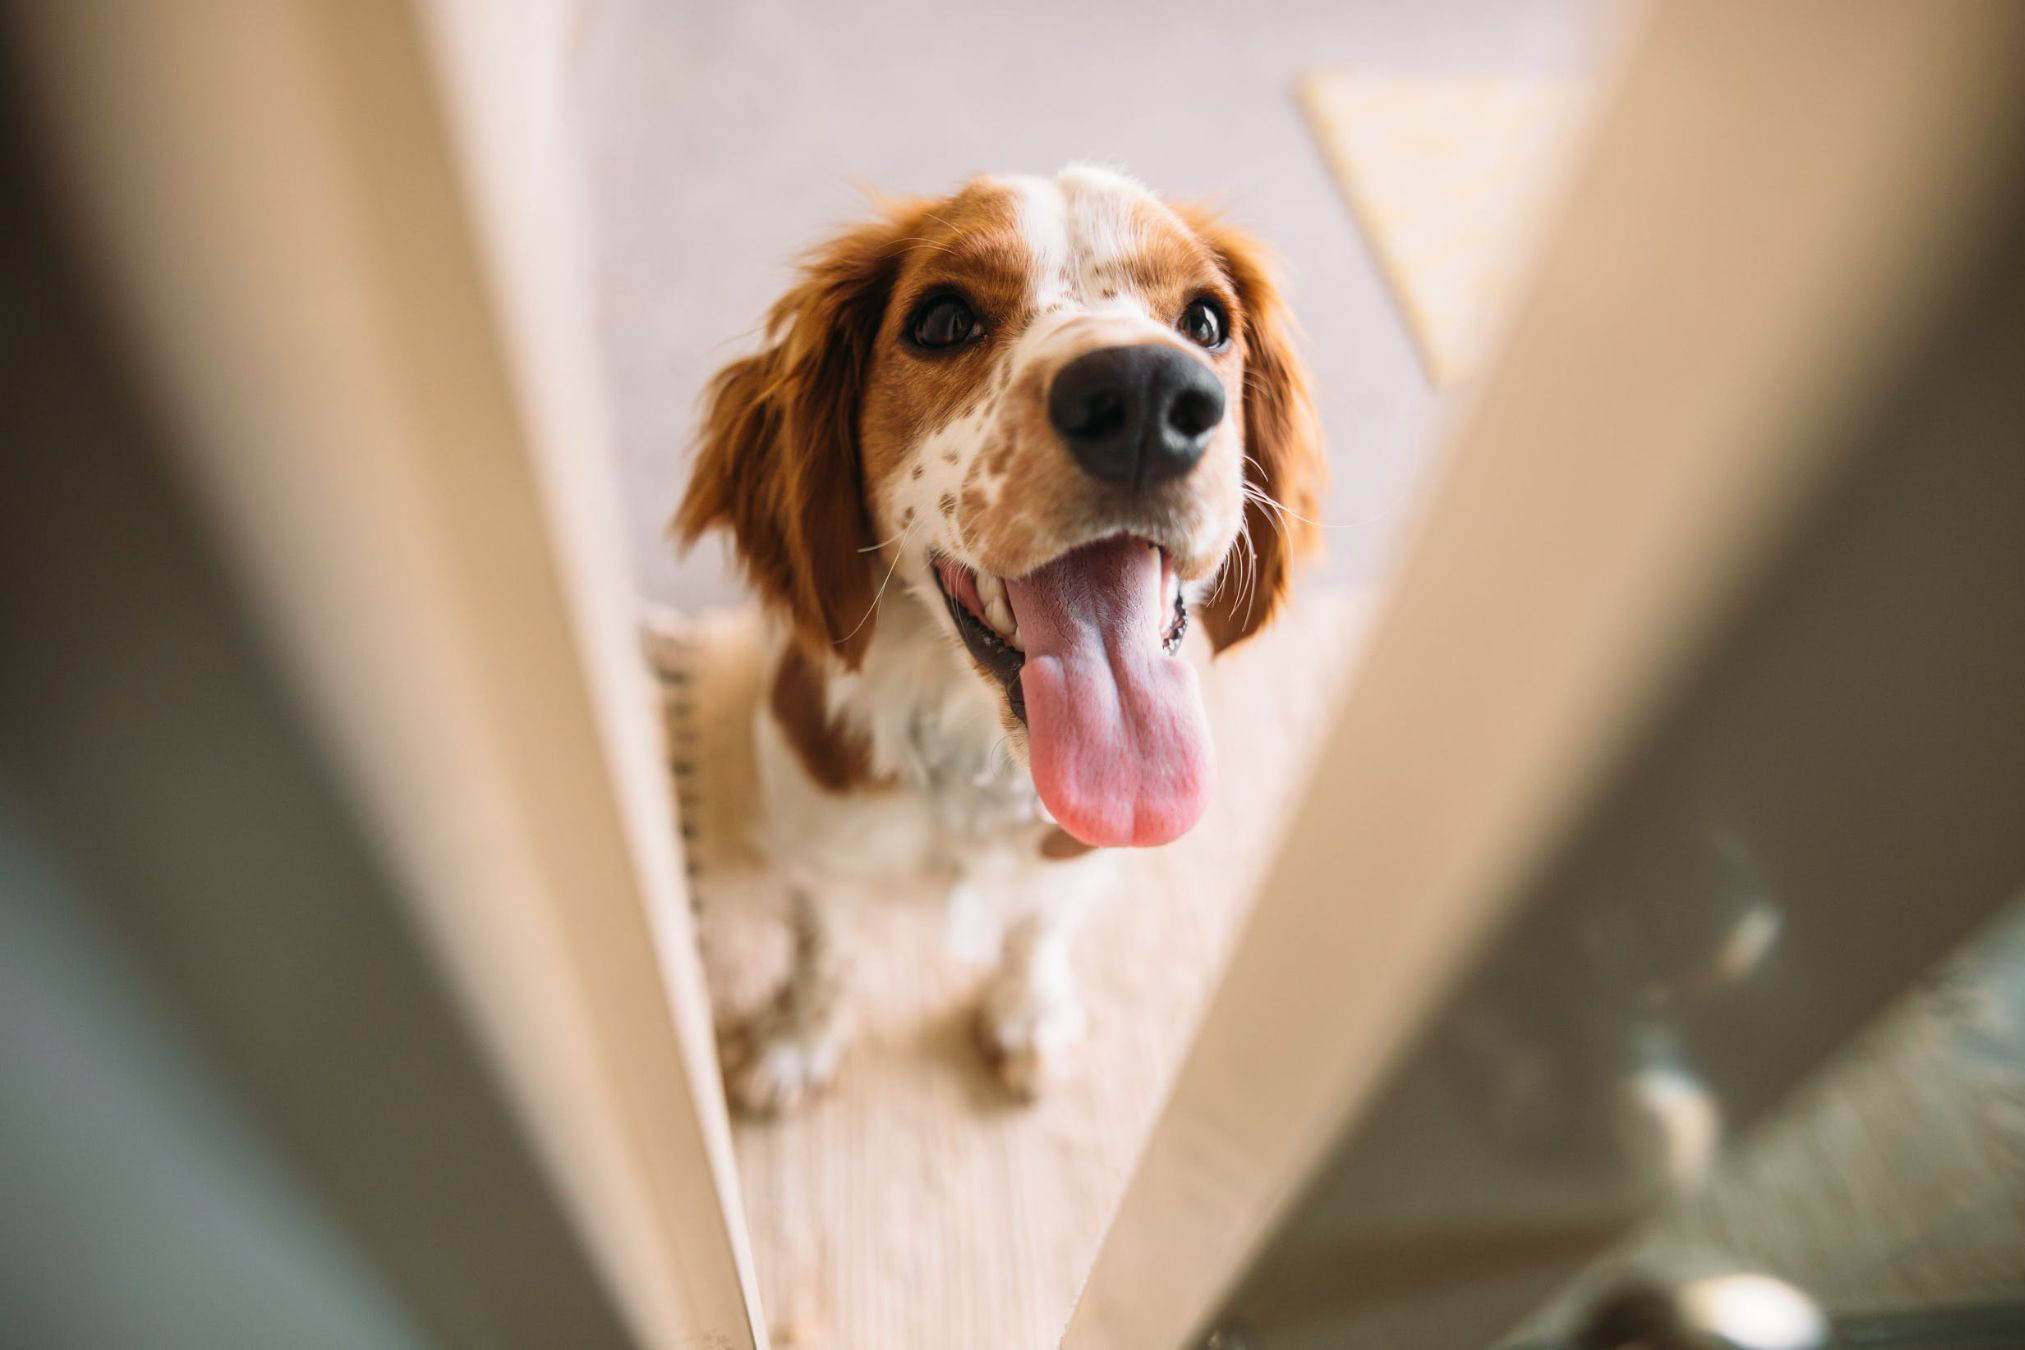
1283, 442
778, 464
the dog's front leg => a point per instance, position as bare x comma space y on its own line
1031, 1018
793, 1046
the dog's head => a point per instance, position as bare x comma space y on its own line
1060, 412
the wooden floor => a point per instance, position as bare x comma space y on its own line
916, 1207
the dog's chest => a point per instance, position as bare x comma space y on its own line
944, 793
935, 729
973, 787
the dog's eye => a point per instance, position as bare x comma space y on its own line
1204, 323
945, 321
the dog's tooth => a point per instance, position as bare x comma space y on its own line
993, 600
990, 587
1012, 640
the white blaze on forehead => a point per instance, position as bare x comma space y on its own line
1076, 225
1103, 209
1044, 225
1081, 230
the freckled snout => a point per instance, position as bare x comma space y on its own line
1136, 416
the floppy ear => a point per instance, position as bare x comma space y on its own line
778, 464
1283, 441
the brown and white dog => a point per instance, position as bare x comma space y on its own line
998, 448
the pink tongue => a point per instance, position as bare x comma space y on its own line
1121, 751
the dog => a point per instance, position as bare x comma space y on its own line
999, 450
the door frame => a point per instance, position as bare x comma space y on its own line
1776, 208
332, 243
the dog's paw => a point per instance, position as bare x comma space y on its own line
1028, 1031
773, 1068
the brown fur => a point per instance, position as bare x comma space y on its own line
822, 452
838, 758
793, 435
1011, 532
1283, 439
970, 242
1058, 845
780, 462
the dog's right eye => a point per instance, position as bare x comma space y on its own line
945, 321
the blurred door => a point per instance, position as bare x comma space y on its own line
1693, 734
332, 783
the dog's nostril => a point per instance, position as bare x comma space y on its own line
1091, 412
1195, 411
1092, 399
1136, 416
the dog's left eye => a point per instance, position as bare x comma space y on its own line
1204, 324
943, 322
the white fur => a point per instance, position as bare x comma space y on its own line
964, 812
1075, 225
962, 807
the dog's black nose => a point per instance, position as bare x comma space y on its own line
1136, 416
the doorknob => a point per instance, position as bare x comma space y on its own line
1719, 1312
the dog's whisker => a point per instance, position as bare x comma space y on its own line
1249, 566
1279, 511
1000, 756
1259, 494
873, 608
1233, 565
948, 711
874, 548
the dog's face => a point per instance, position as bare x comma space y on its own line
1058, 412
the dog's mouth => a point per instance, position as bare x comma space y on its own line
1087, 648
982, 608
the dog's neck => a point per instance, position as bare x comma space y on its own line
930, 719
